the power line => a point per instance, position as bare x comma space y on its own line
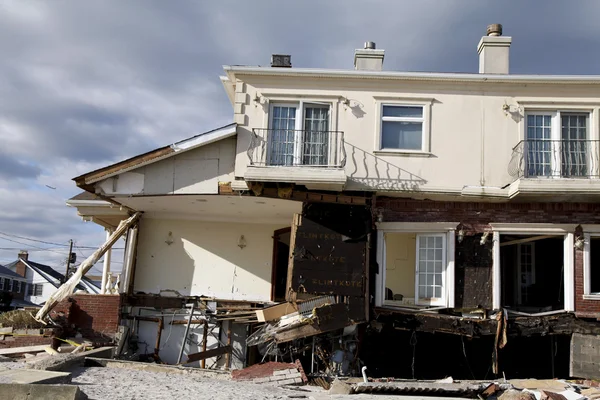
46, 242
27, 244
33, 240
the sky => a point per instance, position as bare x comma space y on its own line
84, 84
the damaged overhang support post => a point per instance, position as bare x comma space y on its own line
67, 288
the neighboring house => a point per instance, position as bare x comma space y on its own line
43, 280
427, 202
14, 284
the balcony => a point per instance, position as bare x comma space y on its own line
312, 158
555, 166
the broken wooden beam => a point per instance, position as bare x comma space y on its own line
203, 355
67, 288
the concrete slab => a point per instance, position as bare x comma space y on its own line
15, 391
65, 362
168, 369
30, 376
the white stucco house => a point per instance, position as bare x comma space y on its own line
459, 195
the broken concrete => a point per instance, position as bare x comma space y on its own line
339, 387
14, 391
65, 362
27, 376
513, 394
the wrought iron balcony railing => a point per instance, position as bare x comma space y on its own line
555, 158
297, 148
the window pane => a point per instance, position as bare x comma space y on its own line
403, 112
429, 279
438, 266
422, 291
401, 135
438, 242
429, 292
438, 292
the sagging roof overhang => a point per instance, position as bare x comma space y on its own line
87, 180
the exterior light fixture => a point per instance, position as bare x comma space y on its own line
484, 238
169, 240
579, 242
460, 235
242, 242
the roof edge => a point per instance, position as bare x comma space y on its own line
411, 76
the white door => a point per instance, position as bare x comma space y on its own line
431, 269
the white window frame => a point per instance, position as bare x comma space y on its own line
589, 232
565, 230
431, 301
406, 102
446, 229
299, 126
556, 130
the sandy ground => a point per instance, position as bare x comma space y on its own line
124, 384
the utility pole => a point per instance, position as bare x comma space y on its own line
68, 261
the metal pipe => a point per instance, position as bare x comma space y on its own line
187, 330
204, 340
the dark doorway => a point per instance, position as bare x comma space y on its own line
532, 272
281, 253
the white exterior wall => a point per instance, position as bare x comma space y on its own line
194, 171
47, 289
205, 259
471, 136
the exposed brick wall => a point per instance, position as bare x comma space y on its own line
476, 217
95, 316
29, 337
480, 215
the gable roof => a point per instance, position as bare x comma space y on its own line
7, 272
50, 274
155, 155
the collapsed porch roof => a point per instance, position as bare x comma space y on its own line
156, 155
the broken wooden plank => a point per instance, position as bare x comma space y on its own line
275, 312
203, 355
527, 240
185, 321
24, 349
67, 288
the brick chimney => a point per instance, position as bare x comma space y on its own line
21, 269
493, 50
368, 58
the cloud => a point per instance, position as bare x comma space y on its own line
85, 84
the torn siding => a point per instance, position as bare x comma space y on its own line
204, 259
195, 171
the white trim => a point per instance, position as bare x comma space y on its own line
424, 120
450, 271
424, 76
587, 265
205, 138
416, 227
524, 228
591, 228
90, 203
496, 273
380, 276
569, 273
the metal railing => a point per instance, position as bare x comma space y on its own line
555, 158
297, 148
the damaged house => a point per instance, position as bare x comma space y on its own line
425, 224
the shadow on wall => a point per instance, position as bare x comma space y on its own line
371, 172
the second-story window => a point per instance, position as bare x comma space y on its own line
557, 144
7, 285
299, 134
402, 127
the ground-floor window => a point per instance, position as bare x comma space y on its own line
414, 268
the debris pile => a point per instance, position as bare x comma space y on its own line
272, 373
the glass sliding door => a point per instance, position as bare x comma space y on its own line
539, 149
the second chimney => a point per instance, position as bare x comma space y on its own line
494, 51
368, 58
